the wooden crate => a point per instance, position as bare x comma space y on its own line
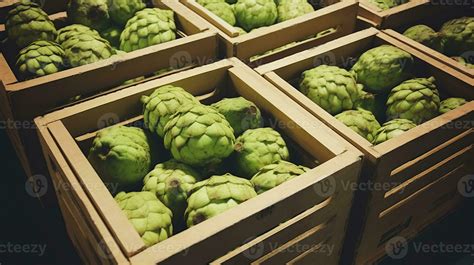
299, 212
22, 101
338, 14
425, 162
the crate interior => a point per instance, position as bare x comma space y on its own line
435, 16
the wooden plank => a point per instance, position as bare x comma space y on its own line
388, 18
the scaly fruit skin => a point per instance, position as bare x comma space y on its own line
112, 35
91, 13
73, 30
27, 23
253, 14
384, 4
150, 217
222, 10
122, 10
450, 104
463, 61
270, 176
361, 121
458, 35
257, 148
392, 129
381, 68
161, 104
121, 155
206, 2
85, 49
334, 89
240, 113
148, 27
415, 99
40, 58
198, 135
215, 195
290, 9
426, 36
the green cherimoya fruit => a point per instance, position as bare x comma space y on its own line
273, 175
374, 103
40, 58
415, 99
426, 36
161, 104
148, 27
122, 10
121, 155
458, 36
73, 30
252, 14
257, 148
85, 49
171, 181
290, 9
381, 68
384, 4
26, 23
463, 61
150, 217
392, 129
112, 35
215, 195
222, 10
206, 2
199, 135
450, 104
91, 13
334, 89
240, 30
361, 121
240, 113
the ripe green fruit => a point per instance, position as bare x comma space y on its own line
85, 49
215, 195
40, 58
27, 23
222, 10
241, 31
426, 36
121, 155
380, 69
150, 217
392, 129
415, 99
334, 89
374, 103
450, 104
361, 121
148, 27
122, 10
257, 148
253, 14
273, 175
463, 61
458, 35
240, 113
112, 35
91, 13
290, 9
198, 135
73, 30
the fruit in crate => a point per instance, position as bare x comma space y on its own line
463, 61
252, 14
206, 2
27, 23
112, 35
222, 10
458, 36
371, 102
334, 89
415, 99
161, 104
361, 121
150, 217
215, 195
74, 30
289, 9
450, 104
121, 156
241, 31
273, 175
171, 181
240, 113
85, 49
122, 10
381, 68
426, 36
148, 27
392, 129
384, 4
91, 13
256, 148
40, 58
199, 135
